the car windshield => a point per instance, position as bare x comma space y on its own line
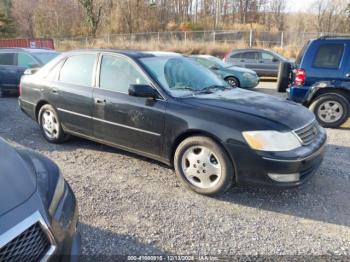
45, 57
216, 61
182, 76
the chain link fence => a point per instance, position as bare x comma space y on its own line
244, 38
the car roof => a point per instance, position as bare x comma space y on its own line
28, 50
130, 53
252, 50
202, 56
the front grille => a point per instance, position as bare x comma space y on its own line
31, 245
308, 133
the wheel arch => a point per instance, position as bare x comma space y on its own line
232, 76
319, 91
39, 105
196, 132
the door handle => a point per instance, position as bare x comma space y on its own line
54, 91
242, 60
100, 101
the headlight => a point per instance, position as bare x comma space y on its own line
249, 76
273, 141
58, 194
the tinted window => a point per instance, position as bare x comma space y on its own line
249, 55
117, 74
78, 70
329, 56
26, 61
267, 56
237, 56
46, 57
6, 59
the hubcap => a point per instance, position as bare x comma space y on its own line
330, 111
201, 167
50, 124
232, 82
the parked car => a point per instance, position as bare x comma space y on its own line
38, 211
170, 108
263, 62
321, 79
13, 63
233, 75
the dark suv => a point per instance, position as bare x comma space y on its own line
321, 79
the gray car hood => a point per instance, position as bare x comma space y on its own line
17, 178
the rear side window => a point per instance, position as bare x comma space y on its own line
26, 61
236, 56
250, 55
329, 56
7, 59
78, 70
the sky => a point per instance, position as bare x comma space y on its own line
298, 5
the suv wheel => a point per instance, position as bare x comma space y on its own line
50, 125
331, 110
203, 166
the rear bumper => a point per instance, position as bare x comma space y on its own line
255, 168
298, 93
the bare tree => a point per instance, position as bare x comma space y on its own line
23, 11
93, 11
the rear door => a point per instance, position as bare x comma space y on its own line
10, 74
129, 122
71, 94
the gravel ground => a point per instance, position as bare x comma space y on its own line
133, 206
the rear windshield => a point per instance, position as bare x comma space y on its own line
329, 56
45, 57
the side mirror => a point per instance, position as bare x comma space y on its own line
143, 91
213, 68
34, 66
275, 60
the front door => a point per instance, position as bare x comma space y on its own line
129, 122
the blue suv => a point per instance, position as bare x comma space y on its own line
320, 79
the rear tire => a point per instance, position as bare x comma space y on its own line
331, 110
203, 166
232, 81
283, 77
50, 125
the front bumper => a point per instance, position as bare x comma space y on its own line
253, 168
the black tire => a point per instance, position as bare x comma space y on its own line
233, 81
331, 98
60, 136
226, 178
283, 76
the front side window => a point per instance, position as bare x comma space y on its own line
249, 55
25, 60
329, 56
7, 58
78, 70
267, 56
117, 74
181, 76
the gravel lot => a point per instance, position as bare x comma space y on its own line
133, 206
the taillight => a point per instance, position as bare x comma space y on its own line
300, 77
226, 57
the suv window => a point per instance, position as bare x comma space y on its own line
329, 56
250, 55
117, 74
25, 60
78, 70
7, 59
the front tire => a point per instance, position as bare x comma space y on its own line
232, 81
50, 125
203, 166
331, 110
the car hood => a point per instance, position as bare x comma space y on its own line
240, 69
17, 178
278, 110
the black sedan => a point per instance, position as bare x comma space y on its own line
169, 108
38, 211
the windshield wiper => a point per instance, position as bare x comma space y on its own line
213, 88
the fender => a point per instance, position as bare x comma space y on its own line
322, 85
